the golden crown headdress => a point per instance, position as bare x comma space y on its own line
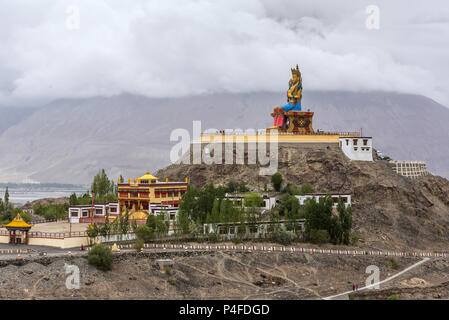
296, 71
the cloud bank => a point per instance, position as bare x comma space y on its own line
176, 48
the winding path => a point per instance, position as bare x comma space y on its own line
380, 282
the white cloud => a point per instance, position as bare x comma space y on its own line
174, 48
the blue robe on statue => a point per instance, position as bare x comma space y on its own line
292, 107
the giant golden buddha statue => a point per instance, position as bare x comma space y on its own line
294, 92
289, 117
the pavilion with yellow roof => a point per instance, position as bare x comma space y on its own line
18, 230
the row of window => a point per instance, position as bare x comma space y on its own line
157, 194
355, 141
363, 149
169, 194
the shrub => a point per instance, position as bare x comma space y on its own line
101, 257
172, 281
392, 263
354, 239
291, 189
307, 188
392, 298
283, 237
168, 270
213, 237
276, 180
236, 240
319, 236
139, 244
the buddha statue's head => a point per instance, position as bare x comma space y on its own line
296, 75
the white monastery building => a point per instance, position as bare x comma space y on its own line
357, 148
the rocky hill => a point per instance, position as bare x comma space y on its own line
389, 210
45, 201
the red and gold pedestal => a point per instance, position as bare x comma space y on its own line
292, 121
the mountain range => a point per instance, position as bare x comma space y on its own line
69, 140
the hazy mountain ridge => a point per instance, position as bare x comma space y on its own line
67, 141
10, 116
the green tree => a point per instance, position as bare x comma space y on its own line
25, 215
102, 187
345, 221
215, 215
6, 199
276, 180
144, 233
73, 200
159, 224
318, 215
133, 226
183, 223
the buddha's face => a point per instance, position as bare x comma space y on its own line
295, 78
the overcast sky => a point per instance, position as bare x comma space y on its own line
175, 48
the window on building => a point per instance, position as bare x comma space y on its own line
74, 213
355, 141
365, 142
355, 148
347, 142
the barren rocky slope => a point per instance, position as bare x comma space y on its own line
214, 275
389, 210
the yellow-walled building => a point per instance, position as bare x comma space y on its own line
147, 190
